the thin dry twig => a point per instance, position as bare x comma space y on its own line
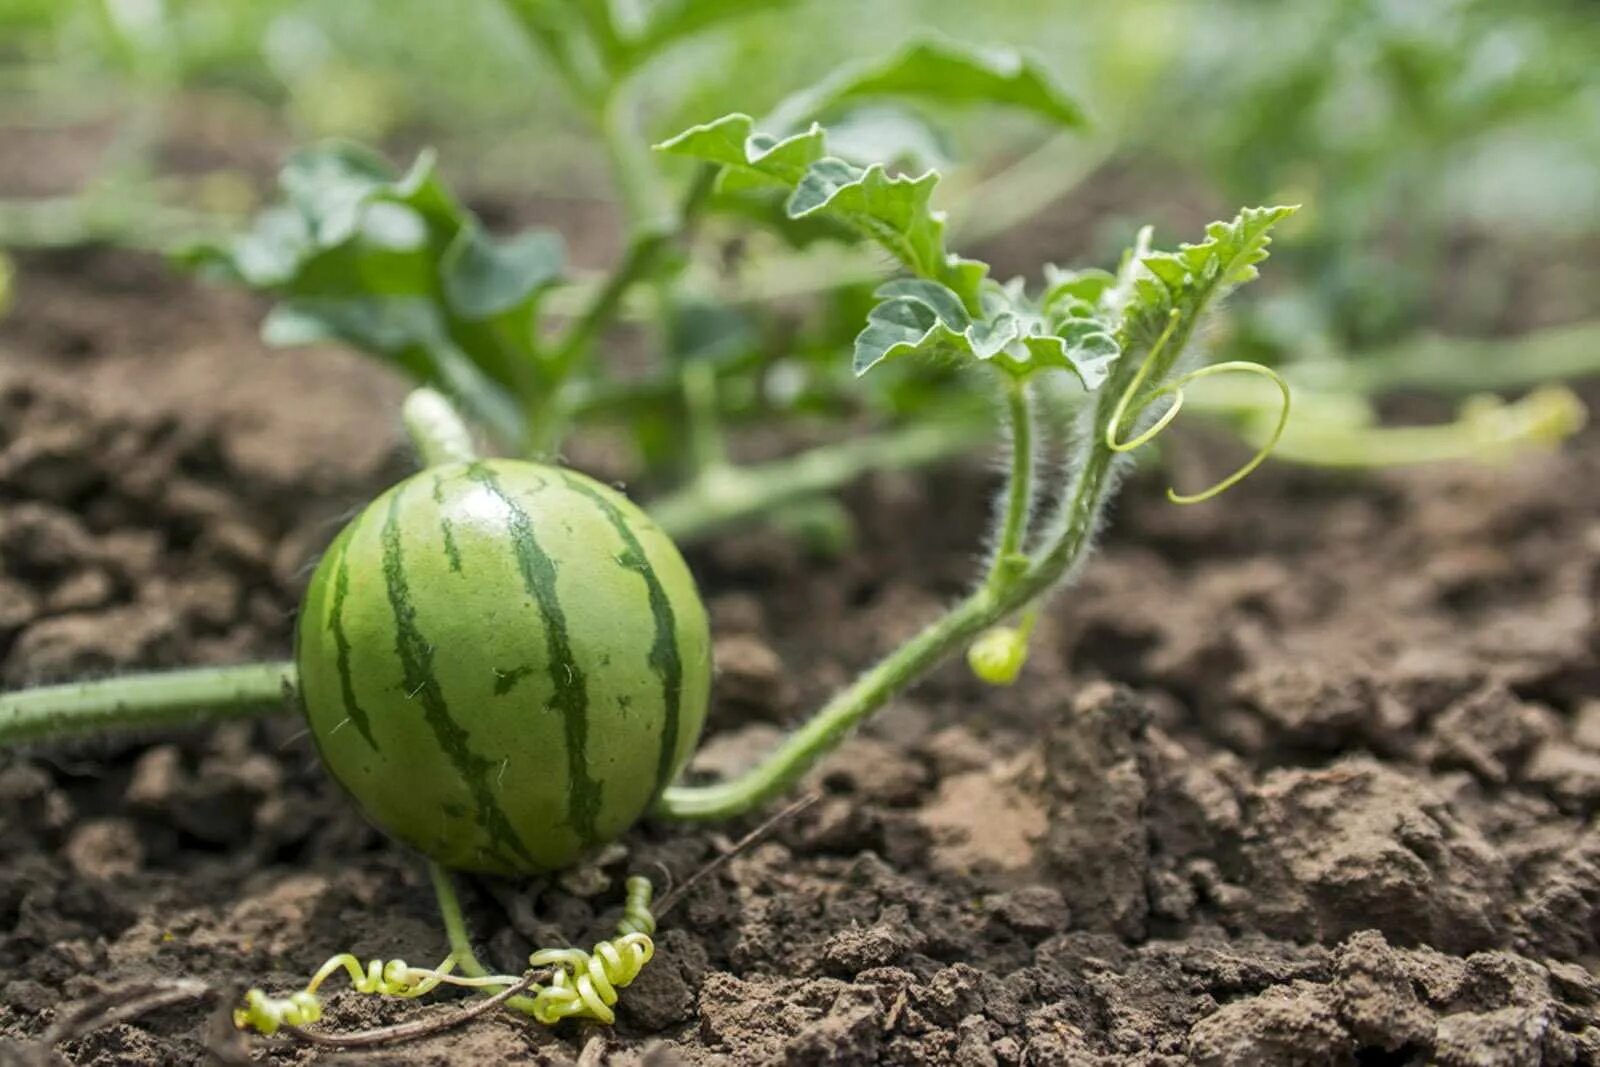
418, 1028
744, 844
119, 1005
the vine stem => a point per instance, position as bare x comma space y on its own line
803, 748
724, 495
145, 701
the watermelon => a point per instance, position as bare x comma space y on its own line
504, 663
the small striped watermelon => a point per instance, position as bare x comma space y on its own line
505, 663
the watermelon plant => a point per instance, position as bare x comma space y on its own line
506, 663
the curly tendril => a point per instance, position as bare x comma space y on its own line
391, 978
583, 986
1174, 389
586, 983
636, 915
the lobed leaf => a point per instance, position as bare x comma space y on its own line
892, 210
1154, 285
846, 176
395, 266
917, 317
751, 157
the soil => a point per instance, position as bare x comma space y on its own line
1307, 776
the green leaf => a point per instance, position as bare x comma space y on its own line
923, 318
893, 210
1070, 292
484, 278
752, 158
1155, 285
395, 266
904, 326
326, 186
941, 72
1159, 298
944, 303
612, 38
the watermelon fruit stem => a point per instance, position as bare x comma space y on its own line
436, 429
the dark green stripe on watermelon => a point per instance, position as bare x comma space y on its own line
569, 695
664, 658
416, 662
341, 590
451, 552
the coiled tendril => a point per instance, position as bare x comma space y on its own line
391, 978
1174, 389
584, 984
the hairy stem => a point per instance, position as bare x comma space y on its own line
145, 702
1081, 509
1008, 557
436, 428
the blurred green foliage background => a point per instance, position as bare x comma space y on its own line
1446, 149
1447, 152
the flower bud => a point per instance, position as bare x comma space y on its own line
998, 654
